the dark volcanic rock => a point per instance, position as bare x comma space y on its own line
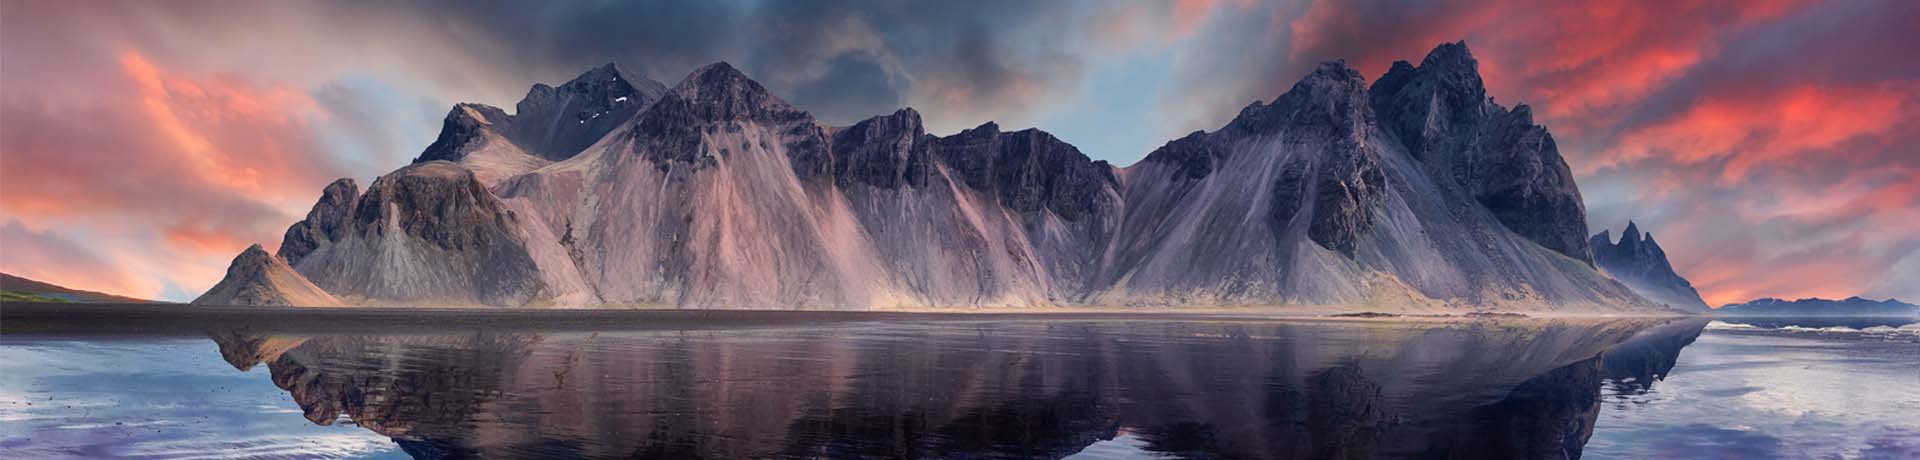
884, 151
426, 232
718, 98
462, 127
1349, 187
1441, 113
1330, 102
1028, 170
1193, 155
1343, 183
1434, 106
1641, 264
1516, 171
557, 123
438, 202
718, 92
549, 123
326, 222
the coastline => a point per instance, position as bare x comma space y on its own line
140, 319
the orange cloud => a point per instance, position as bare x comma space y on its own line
1750, 130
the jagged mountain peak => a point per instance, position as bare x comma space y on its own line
1331, 96
608, 81
719, 193
985, 129
464, 124
1639, 262
479, 112
1452, 57
883, 151
556, 123
1335, 72
719, 92
905, 118
1631, 236
327, 221
716, 79
611, 72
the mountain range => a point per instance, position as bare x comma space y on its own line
1411, 192
1851, 306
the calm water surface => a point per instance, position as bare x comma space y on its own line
1172, 387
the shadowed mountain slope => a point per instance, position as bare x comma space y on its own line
1641, 264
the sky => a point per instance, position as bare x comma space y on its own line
1772, 147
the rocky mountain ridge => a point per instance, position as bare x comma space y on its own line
1639, 262
714, 193
1851, 306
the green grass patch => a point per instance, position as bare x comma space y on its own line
23, 296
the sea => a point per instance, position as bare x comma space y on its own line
685, 385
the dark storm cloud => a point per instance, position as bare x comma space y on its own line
842, 60
851, 89
662, 39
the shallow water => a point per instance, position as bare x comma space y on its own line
1169, 387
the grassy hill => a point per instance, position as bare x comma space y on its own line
17, 289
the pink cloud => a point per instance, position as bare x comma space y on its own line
175, 168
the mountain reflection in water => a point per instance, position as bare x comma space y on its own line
980, 389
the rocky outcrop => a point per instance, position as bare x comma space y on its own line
1027, 171
327, 222
1441, 113
1342, 210
258, 279
722, 195
1851, 306
887, 152
550, 124
558, 123
428, 233
1412, 193
1639, 262
475, 136
1344, 183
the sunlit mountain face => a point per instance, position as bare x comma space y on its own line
145, 145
